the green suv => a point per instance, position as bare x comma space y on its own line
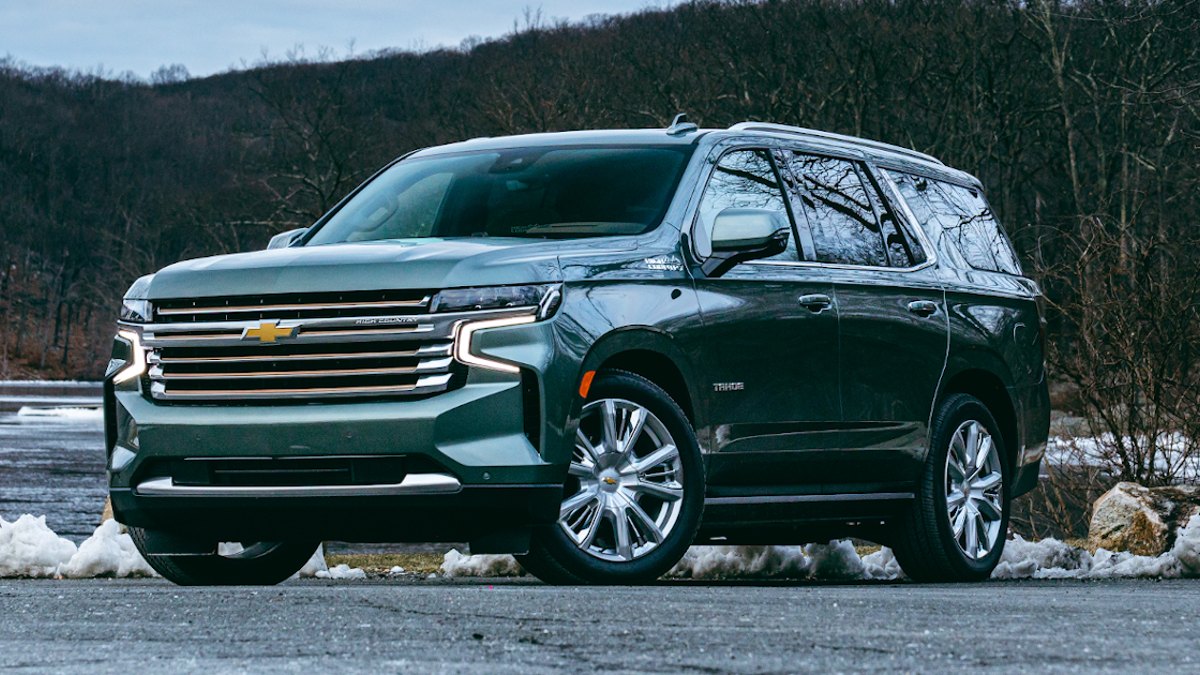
592, 350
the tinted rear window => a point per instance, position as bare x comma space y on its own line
959, 222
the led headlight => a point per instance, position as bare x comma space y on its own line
135, 365
539, 302
492, 297
135, 307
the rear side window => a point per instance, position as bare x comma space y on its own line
960, 223
840, 216
742, 179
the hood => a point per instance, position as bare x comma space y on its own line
398, 264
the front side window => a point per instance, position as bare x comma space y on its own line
520, 192
742, 179
843, 223
960, 223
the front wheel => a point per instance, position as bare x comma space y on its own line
955, 529
245, 564
634, 492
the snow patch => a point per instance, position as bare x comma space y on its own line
342, 571
315, 565
109, 552
73, 413
455, 564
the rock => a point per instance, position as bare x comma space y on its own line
107, 514
1141, 520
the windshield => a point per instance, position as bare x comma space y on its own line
527, 192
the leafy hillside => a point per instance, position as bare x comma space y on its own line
1082, 118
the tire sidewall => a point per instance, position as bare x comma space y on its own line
630, 387
954, 412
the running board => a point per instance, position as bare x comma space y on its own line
413, 484
809, 499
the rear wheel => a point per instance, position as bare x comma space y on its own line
634, 493
243, 564
956, 528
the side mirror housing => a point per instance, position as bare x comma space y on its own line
286, 239
745, 234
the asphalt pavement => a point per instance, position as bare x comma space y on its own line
523, 626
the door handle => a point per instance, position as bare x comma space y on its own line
922, 307
816, 302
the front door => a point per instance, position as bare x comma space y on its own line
770, 352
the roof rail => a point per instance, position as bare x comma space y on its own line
815, 133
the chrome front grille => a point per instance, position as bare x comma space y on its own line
273, 350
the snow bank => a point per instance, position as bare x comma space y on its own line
74, 413
29, 548
838, 560
455, 564
1052, 559
109, 552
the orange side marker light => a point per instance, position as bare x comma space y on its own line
586, 383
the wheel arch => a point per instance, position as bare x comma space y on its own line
989, 388
653, 355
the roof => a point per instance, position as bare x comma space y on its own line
883, 153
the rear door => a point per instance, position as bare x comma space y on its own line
770, 348
893, 323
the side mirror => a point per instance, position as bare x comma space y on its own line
286, 239
739, 235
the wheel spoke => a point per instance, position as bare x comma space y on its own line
581, 470
588, 534
608, 418
989, 506
624, 539
972, 444
646, 524
955, 499
971, 533
666, 453
956, 458
583, 443
576, 501
958, 521
633, 429
668, 492
987, 482
984, 455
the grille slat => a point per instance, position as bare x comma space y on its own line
324, 348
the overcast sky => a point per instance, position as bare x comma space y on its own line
209, 36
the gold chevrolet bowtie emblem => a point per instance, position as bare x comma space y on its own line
268, 331
609, 480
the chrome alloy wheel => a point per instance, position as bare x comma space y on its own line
625, 486
974, 485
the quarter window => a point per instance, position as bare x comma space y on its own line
743, 179
960, 222
843, 224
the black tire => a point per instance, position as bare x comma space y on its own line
926, 546
273, 565
555, 559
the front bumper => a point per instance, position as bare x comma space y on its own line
476, 437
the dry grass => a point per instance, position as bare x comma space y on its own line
381, 563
